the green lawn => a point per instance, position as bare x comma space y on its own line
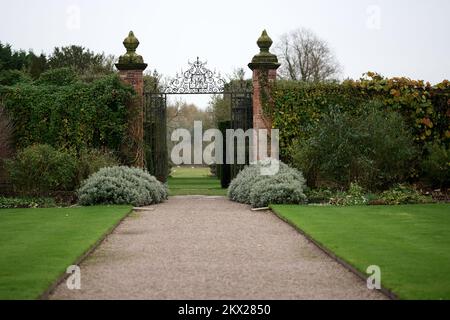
410, 243
37, 245
194, 181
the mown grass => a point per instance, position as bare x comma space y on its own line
37, 245
410, 243
194, 181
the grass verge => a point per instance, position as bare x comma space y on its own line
37, 245
410, 243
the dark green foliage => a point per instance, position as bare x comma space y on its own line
28, 63
12, 60
80, 59
76, 116
436, 165
36, 65
26, 202
374, 148
40, 169
58, 77
12, 77
299, 106
92, 160
6, 136
85, 63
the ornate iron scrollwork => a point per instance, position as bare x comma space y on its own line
197, 79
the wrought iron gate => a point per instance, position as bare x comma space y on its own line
196, 80
155, 135
241, 118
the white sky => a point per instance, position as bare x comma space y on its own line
392, 37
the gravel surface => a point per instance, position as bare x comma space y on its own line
199, 247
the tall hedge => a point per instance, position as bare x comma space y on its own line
72, 116
297, 106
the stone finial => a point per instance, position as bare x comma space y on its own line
131, 60
264, 59
264, 42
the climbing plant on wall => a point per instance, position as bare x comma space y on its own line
296, 106
73, 116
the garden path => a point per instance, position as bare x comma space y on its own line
199, 247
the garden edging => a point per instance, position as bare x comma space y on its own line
62, 277
339, 260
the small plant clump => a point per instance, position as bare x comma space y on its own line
251, 186
403, 194
355, 196
121, 185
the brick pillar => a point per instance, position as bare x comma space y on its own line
264, 66
260, 76
131, 67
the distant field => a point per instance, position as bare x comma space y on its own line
194, 181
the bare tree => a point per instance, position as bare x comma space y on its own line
306, 57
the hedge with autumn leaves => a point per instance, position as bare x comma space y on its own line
297, 107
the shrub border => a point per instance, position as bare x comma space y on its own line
388, 293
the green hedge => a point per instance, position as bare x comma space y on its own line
73, 116
298, 106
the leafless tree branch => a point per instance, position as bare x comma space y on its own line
306, 57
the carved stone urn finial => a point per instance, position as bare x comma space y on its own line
131, 60
264, 59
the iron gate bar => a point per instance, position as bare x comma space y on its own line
155, 135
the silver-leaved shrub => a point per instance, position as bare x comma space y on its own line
121, 185
252, 187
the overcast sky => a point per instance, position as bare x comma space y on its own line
392, 37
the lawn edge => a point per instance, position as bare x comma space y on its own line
388, 293
63, 276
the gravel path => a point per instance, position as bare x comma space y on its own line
200, 247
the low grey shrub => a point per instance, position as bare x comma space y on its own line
251, 187
121, 185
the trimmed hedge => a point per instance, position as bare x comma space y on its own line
375, 148
298, 106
